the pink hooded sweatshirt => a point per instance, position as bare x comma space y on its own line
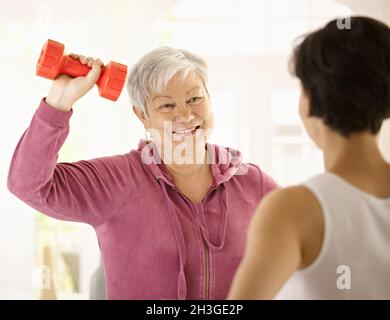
155, 243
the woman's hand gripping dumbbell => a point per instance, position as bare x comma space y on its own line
76, 74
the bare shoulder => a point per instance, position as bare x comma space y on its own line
296, 200
294, 211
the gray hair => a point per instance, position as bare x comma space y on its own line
153, 71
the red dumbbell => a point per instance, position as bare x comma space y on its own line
52, 62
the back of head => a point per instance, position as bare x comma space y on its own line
346, 74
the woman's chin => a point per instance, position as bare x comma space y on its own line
185, 149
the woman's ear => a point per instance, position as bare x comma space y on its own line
304, 104
141, 115
314, 126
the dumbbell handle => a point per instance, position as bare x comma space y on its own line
73, 67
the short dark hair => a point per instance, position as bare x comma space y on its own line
346, 74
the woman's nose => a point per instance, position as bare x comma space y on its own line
184, 114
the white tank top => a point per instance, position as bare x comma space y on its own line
354, 260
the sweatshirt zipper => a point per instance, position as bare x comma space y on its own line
206, 250
207, 272
207, 260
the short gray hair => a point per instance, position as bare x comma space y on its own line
153, 71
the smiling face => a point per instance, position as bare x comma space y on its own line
180, 115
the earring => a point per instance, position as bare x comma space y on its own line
148, 136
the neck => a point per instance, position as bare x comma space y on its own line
186, 171
193, 180
181, 164
358, 152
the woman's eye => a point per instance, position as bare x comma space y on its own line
167, 106
195, 100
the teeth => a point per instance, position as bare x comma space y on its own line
184, 131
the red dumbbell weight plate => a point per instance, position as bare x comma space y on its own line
50, 59
112, 80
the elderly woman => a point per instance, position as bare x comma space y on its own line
171, 217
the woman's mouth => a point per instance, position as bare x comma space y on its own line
186, 131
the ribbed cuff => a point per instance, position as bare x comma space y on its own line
52, 115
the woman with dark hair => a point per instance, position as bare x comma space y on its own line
329, 238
